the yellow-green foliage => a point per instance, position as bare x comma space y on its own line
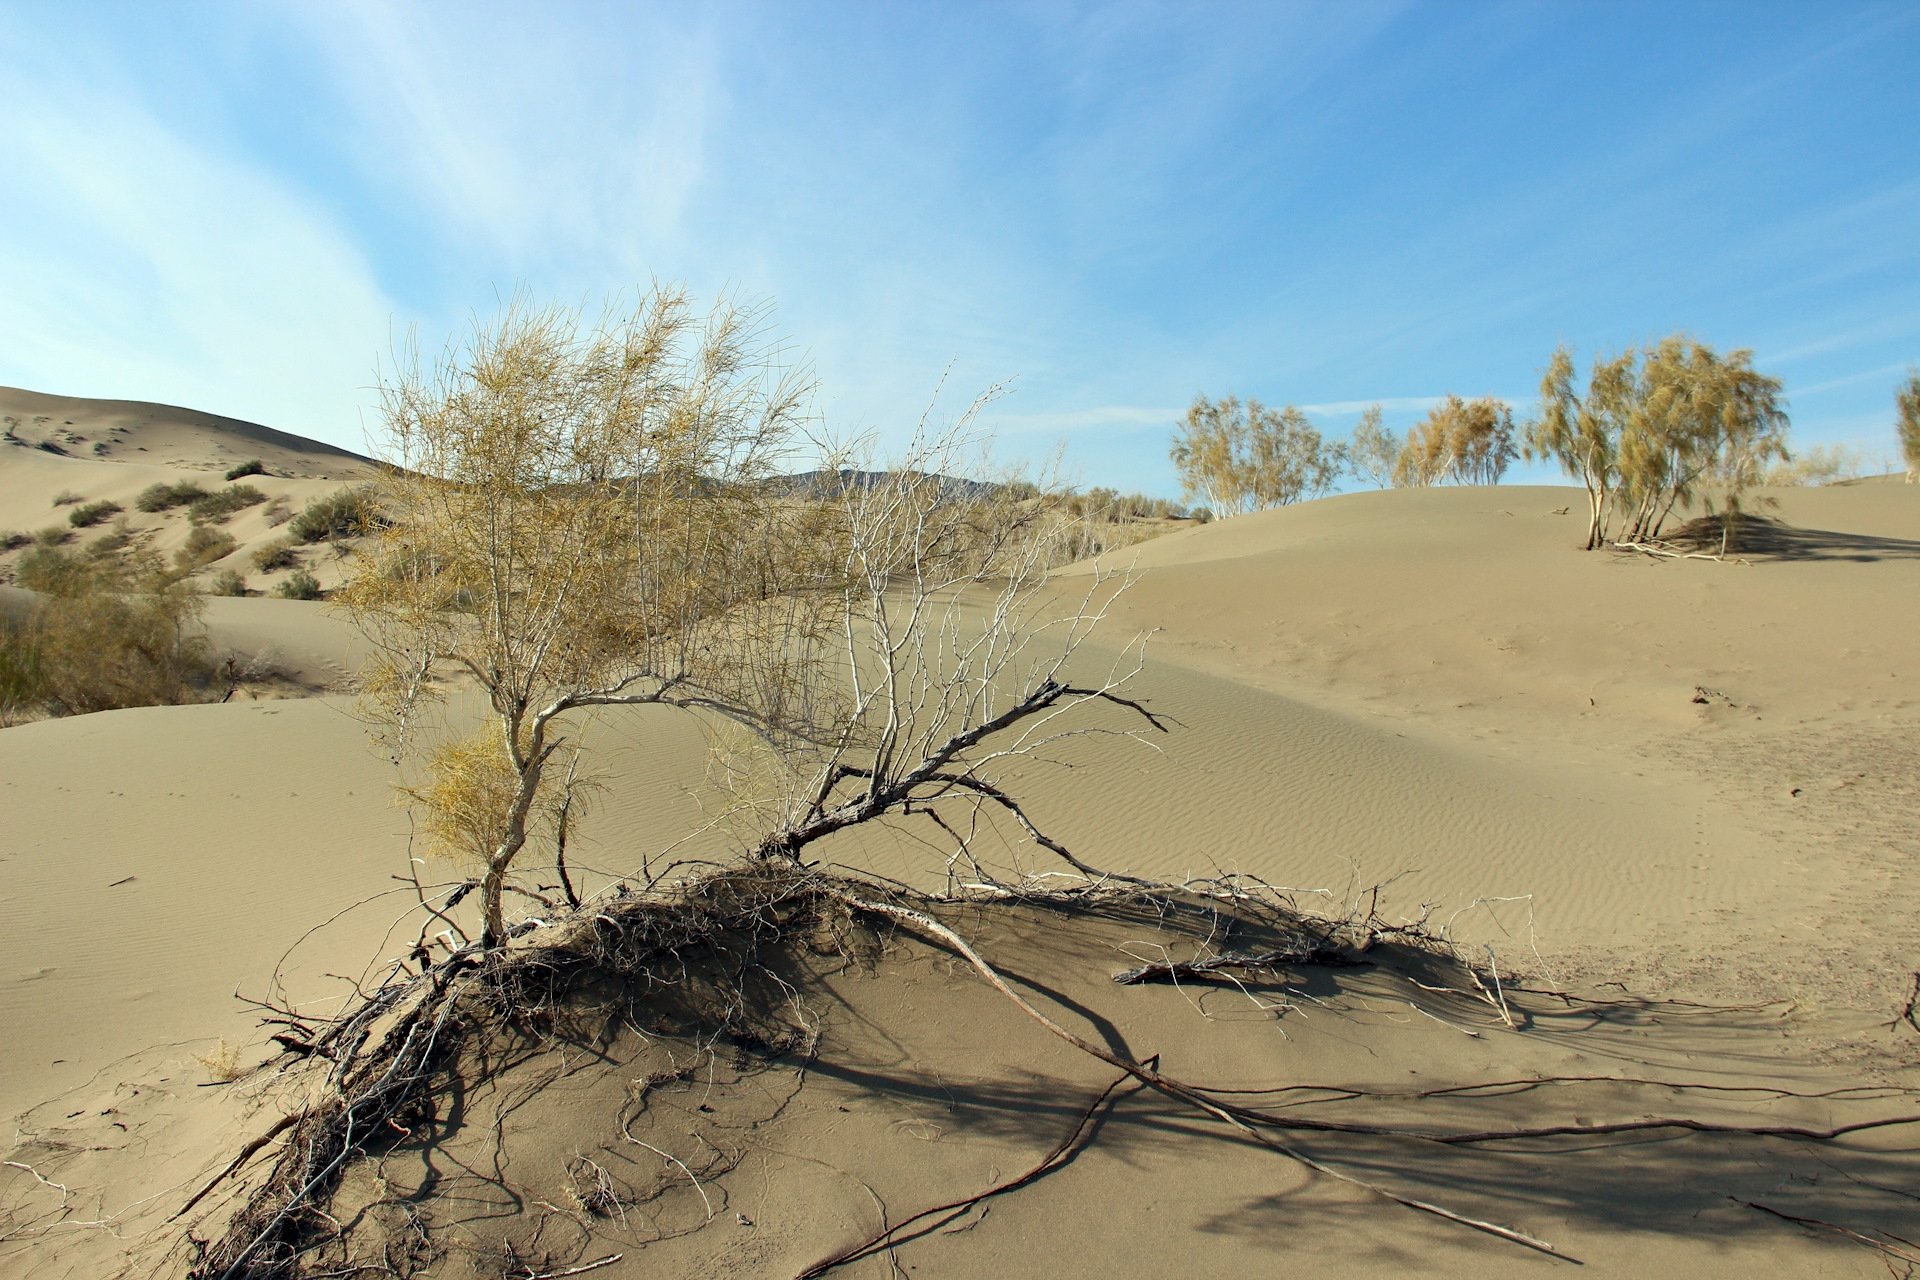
1658, 427
469, 791
573, 512
1246, 457
105, 631
1907, 403
1465, 441
204, 545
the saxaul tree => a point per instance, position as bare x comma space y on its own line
1658, 429
1238, 457
575, 521
1373, 449
1906, 400
1463, 441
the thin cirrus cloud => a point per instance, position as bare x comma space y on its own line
137, 263
1113, 209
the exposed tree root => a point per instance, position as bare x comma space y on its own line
389, 1057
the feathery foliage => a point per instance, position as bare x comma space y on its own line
1373, 450
1658, 428
577, 521
1464, 441
1907, 403
1246, 457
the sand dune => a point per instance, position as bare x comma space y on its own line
1696, 779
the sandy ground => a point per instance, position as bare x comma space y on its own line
1692, 779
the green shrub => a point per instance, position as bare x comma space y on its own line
227, 582
204, 546
251, 467
163, 497
278, 554
214, 508
53, 536
13, 540
340, 514
93, 513
300, 585
65, 498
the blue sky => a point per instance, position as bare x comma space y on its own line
1116, 207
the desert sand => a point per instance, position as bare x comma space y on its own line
1683, 792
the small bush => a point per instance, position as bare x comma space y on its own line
300, 585
227, 582
214, 508
112, 542
277, 511
204, 546
278, 554
106, 632
343, 513
93, 513
65, 498
251, 467
163, 497
13, 540
53, 536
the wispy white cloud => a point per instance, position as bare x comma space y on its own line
138, 263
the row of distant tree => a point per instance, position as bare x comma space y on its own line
1654, 428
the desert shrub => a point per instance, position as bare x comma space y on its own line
1202, 515
277, 511
164, 497
106, 632
53, 536
113, 542
227, 582
85, 517
13, 540
65, 498
204, 546
278, 554
251, 467
340, 514
1818, 465
216, 507
299, 585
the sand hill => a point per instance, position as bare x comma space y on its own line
1681, 792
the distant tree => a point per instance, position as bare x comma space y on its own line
1658, 428
1239, 457
1374, 450
1582, 434
1465, 441
1907, 399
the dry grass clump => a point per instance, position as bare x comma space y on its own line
227, 582
344, 513
204, 546
65, 498
277, 554
217, 507
299, 585
278, 511
13, 540
164, 497
53, 536
92, 513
